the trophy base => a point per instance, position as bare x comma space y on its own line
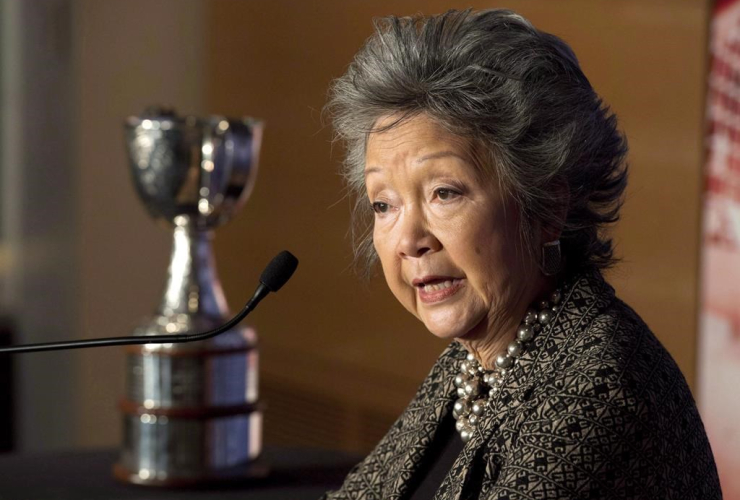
256, 469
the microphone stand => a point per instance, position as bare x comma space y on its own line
259, 294
196, 417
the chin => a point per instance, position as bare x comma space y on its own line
453, 331
457, 331
446, 333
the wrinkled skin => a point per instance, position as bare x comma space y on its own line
437, 215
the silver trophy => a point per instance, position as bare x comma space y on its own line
191, 412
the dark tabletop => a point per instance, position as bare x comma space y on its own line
296, 474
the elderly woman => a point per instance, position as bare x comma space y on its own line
488, 167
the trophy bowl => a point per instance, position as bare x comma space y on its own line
191, 411
202, 168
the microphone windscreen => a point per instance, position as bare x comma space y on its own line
279, 271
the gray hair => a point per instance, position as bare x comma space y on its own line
517, 94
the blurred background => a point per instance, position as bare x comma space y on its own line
340, 359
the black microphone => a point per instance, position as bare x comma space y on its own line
275, 275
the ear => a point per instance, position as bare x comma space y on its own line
553, 230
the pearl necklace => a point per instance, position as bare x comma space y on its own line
476, 386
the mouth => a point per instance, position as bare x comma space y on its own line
437, 288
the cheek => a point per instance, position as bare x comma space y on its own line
508, 272
487, 264
487, 250
391, 265
380, 243
389, 262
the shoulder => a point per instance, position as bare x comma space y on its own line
614, 361
618, 376
617, 408
618, 359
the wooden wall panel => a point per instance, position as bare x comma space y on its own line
326, 330
131, 54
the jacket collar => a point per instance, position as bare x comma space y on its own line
584, 295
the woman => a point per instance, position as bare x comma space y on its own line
489, 168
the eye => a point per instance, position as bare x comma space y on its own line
446, 194
379, 207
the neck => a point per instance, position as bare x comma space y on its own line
498, 329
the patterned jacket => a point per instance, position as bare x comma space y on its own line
595, 409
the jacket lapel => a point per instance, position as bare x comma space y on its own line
422, 421
584, 295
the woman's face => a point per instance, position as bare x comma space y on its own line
446, 238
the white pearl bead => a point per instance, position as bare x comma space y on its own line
530, 317
461, 379
461, 423
504, 361
478, 407
545, 316
515, 349
525, 333
466, 433
462, 406
472, 388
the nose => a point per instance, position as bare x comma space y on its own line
416, 238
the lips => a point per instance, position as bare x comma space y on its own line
432, 279
437, 288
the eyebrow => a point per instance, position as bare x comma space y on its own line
430, 156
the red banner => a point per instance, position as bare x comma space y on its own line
719, 335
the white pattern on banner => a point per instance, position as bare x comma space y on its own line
719, 326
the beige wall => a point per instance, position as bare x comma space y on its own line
340, 358
131, 54
329, 336
38, 232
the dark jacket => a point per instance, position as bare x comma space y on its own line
595, 409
